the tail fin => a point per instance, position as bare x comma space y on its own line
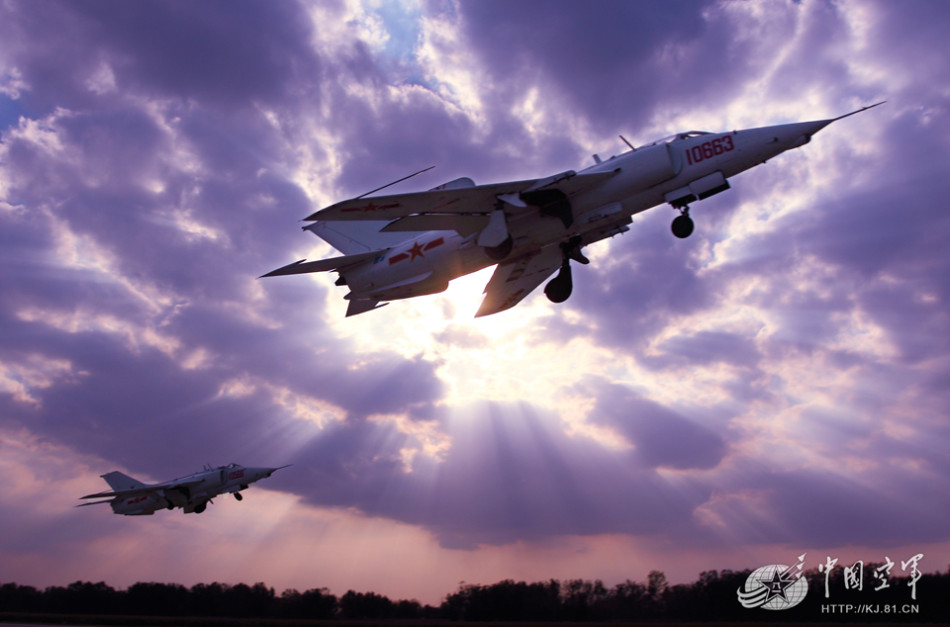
119, 482
357, 236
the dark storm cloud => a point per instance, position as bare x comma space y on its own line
124, 329
876, 226
662, 437
882, 243
511, 473
143, 411
178, 97
605, 60
827, 510
648, 282
222, 53
705, 347
603, 64
415, 132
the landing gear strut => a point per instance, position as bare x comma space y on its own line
560, 287
682, 224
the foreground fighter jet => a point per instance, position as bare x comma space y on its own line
192, 493
406, 245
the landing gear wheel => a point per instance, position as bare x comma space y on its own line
238, 496
560, 287
682, 226
200, 508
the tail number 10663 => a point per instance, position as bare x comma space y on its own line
710, 149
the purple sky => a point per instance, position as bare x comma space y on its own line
776, 384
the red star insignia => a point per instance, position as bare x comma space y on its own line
416, 251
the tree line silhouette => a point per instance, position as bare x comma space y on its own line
712, 597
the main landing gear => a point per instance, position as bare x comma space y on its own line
682, 224
560, 287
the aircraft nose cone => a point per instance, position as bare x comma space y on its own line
267, 472
806, 129
810, 128
787, 136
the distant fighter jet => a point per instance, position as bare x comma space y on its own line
406, 245
192, 493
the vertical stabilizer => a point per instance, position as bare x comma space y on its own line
120, 482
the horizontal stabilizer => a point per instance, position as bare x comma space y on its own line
99, 495
324, 265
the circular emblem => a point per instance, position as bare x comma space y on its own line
773, 587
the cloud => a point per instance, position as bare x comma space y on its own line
633, 298
662, 437
606, 61
511, 473
220, 54
778, 378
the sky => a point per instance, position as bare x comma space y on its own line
774, 385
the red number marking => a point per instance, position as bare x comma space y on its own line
710, 149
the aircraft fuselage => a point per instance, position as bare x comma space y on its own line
645, 177
532, 228
192, 493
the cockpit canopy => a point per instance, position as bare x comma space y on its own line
676, 137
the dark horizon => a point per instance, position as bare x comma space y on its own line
710, 598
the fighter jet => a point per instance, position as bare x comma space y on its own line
405, 245
131, 497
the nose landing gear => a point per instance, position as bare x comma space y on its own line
682, 224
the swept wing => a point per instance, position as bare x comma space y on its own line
514, 280
463, 209
148, 489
